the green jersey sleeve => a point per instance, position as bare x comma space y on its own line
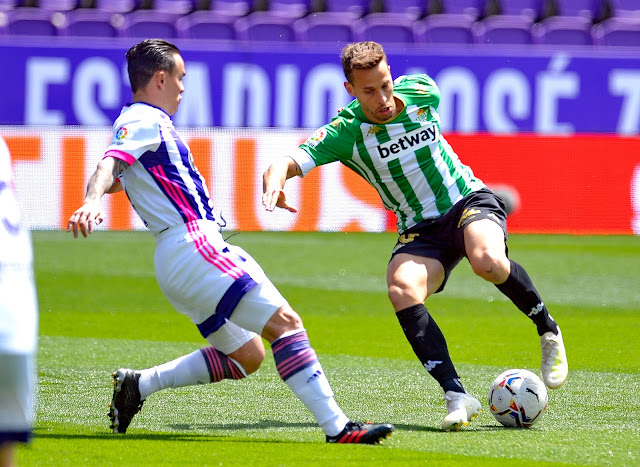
332, 142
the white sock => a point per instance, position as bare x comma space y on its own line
187, 370
313, 389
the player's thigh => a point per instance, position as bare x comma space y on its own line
412, 277
486, 248
17, 386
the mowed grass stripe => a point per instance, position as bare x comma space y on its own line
262, 409
101, 309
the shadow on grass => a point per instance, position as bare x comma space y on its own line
211, 432
433, 429
259, 425
192, 432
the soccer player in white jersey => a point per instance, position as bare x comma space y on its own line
18, 321
390, 135
219, 286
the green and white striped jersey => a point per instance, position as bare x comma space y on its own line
416, 173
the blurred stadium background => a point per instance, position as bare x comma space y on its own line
540, 97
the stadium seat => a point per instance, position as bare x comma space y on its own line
473, 8
117, 6
355, 8
502, 29
263, 26
388, 28
6, 5
206, 25
590, 9
625, 8
563, 30
177, 7
89, 23
33, 22
58, 5
235, 8
149, 23
290, 8
414, 8
617, 32
447, 29
530, 8
326, 27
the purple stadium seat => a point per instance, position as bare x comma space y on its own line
117, 6
473, 8
414, 8
206, 25
33, 22
530, 8
89, 23
617, 32
149, 23
355, 8
58, 5
388, 28
177, 7
563, 30
290, 8
326, 27
235, 8
590, 9
625, 8
502, 29
447, 29
6, 5
263, 26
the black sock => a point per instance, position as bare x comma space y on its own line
430, 346
520, 290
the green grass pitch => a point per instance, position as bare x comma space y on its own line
100, 309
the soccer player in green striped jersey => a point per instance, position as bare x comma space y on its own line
390, 135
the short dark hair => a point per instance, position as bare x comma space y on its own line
148, 57
361, 56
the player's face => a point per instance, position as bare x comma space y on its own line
374, 90
174, 86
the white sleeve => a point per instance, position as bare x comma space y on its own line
135, 136
304, 160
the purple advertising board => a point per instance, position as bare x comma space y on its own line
62, 81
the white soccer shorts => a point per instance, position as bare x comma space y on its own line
219, 286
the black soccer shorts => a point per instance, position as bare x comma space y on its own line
442, 238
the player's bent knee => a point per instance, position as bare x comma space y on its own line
493, 268
283, 320
250, 355
403, 297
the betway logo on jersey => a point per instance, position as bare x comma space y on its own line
411, 141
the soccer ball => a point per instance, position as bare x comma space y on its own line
517, 398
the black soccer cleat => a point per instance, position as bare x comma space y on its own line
362, 433
126, 400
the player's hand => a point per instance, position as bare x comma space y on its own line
276, 198
85, 219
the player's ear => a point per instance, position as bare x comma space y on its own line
349, 88
159, 77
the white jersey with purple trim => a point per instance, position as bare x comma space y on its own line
203, 276
18, 303
162, 183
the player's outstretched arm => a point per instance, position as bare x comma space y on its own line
273, 182
103, 180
